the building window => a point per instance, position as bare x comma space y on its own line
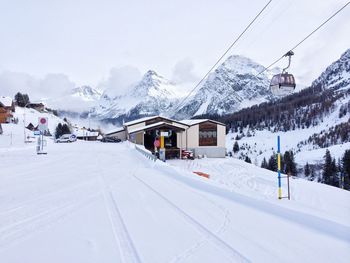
208, 134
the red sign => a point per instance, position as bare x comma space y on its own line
156, 143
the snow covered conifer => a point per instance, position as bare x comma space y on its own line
346, 169
327, 172
235, 147
272, 164
307, 171
264, 163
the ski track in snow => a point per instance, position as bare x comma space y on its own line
120, 231
28, 225
202, 229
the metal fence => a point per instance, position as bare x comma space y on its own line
146, 153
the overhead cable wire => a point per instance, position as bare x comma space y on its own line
304, 39
222, 56
298, 44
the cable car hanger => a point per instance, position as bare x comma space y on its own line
284, 83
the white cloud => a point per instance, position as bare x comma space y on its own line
51, 86
120, 80
183, 71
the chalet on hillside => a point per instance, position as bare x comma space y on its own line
7, 107
204, 137
36, 106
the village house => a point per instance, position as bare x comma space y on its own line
7, 107
36, 106
86, 134
203, 136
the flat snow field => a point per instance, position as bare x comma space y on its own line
94, 202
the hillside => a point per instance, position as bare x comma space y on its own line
308, 122
13, 134
95, 202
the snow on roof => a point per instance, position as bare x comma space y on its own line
115, 131
83, 133
154, 125
140, 120
197, 121
6, 101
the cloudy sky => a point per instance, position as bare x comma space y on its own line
48, 46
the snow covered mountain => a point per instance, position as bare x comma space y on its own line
152, 95
337, 75
86, 93
309, 122
231, 87
76, 101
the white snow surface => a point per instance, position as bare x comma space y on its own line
99, 202
6, 101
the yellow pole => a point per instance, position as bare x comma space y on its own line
162, 142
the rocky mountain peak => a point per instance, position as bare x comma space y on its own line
337, 75
86, 93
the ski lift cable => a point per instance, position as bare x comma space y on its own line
222, 56
297, 45
304, 39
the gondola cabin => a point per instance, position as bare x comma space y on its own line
282, 84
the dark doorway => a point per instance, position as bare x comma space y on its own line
149, 138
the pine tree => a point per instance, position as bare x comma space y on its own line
272, 164
327, 168
346, 169
313, 174
65, 129
289, 164
264, 163
58, 131
307, 171
62, 129
235, 147
247, 159
21, 99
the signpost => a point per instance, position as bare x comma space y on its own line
42, 126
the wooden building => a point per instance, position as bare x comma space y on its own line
204, 137
7, 107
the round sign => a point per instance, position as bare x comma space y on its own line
156, 143
42, 120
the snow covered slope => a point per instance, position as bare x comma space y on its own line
13, 134
231, 87
95, 202
86, 93
314, 121
76, 101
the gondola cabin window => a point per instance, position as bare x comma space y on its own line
208, 134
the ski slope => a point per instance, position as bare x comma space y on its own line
96, 202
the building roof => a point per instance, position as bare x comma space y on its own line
140, 120
156, 125
6, 101
85, 133
151, 118
198, 121
121, 129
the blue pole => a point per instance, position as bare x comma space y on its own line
279, 167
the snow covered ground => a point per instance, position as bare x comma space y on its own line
96, 202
